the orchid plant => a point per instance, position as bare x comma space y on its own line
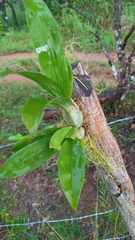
66, 142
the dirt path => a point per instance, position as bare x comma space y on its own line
90, 57
16, 56
79, 55
99, 57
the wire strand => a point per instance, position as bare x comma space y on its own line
55, 221
124, 237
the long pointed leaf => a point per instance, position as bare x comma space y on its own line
61, 102
71, 167
46, 83
45, 33
26, 140
59, 136
71, 114
33, 112
27, 159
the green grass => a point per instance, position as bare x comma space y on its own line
73, 27
6, 203
20, 41
109, 225
26, 64
16, 41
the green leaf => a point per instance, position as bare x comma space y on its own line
26, 140
61, 102
16, 137
58, 137
73, 133
33, 112
73, 116
46, 83
48, 132
71, 167
5, 73
27, 159
46, 36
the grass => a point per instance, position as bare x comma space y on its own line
16, 41
20, 41
6, 203
73, 28
26, 64
111, 223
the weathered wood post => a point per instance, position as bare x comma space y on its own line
102, 148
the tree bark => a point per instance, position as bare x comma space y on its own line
4, 14
11, 5
113, 172
115, 94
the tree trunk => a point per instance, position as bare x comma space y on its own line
4, 14
107, 156
115, 94
11, 5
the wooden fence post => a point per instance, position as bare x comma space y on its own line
102, 147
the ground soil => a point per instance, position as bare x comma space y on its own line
38, 194
86, 56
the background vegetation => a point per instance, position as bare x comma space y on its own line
75, 29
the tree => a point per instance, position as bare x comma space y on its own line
124, 74
11, 5
3, 4
4, 14
86, 134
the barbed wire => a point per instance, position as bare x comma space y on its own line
7, 145
28, 224
57, 220
117, 238
121, 120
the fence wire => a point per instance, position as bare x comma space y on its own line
117, 238
121, 120
57, 220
